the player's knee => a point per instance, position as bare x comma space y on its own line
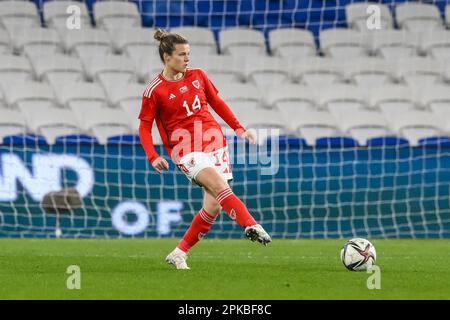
213, 209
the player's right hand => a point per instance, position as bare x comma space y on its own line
160, 164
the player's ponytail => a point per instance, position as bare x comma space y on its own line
167, 42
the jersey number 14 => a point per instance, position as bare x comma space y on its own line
195, 105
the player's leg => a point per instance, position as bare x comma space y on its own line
200, 225
218, 188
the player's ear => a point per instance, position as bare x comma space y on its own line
166, 57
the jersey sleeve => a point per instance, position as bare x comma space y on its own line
219, 106
147, 116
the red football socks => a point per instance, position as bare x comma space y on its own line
235, 208
200, 225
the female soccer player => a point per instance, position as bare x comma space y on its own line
177, 99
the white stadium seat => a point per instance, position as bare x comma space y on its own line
419, 71
363, 125
311, 125
228, 66
103, 123
291, 42
316, 71
343, 43
268, 123
110, 69
34, 41
437, 98
358, 15
135, 42
418, 17
342, 98
436, 44
290, 98
81, 96
110, 14
126, 96
263, 71
415, 125
5, 43
18, 13
30, 95
86, 43
14, 69
240, 92
3, 104
390, 99
240, 42
148, 67
57, 69
201, 40
53, 123
11, 123
368, 72
56, 14
393, 44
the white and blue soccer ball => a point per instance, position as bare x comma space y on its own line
358, 254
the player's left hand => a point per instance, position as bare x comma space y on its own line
247, 135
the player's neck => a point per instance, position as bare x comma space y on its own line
172, 75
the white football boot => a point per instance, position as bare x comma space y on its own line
257, 233
177, 258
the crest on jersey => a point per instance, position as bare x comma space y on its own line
183, 89
196, 84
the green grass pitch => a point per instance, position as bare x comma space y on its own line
220, 269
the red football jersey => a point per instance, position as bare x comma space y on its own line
180, 109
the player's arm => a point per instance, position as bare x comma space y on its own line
222, 109
147, 117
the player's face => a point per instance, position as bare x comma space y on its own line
179, 59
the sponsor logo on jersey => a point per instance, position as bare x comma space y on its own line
172, 96
183, 89
196, 84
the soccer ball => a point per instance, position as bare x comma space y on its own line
358, 254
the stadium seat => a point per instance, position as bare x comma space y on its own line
126, 96
2, 100
290, 42
368, 72
391, 99
34, 41
103, 123
110, 14
415, 125
340, 98
14, 69
343, 43
56, 15
240, 42
437, 99
134, 42
264, 71
110, 69
201, 40
290, 98
418, 72
148, 67
57, 69
357, 16
436, 44
12, 122
316, 72
86, 43
30, 95
393, 44
18, 13
312, 125
363, 125
266, 122
53, 123
81, 96
418, 17
227, 66
447, 15
5, 44
233, 92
